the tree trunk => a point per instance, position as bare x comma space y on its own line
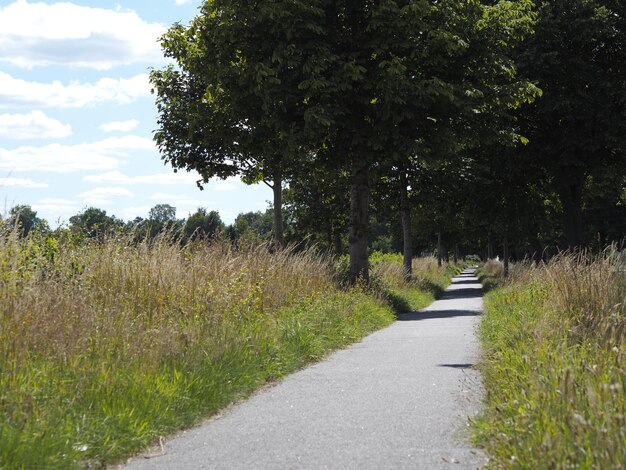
329, 239
405, 216
506, 257
359, 222
538, 253
571, 199
489, 248
601, 241
456, 254
439, 250
277, 188
337, 241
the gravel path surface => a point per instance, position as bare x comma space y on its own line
399, 399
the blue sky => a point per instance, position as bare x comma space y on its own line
77, 116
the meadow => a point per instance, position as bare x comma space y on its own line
554, 341
108, 346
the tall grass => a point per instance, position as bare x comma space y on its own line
555, 366
427, 283
105, 347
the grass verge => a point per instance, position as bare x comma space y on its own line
106, 347
427, 284
555, 367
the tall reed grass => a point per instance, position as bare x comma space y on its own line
554, 339
105, 347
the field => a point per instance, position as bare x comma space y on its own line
105, 347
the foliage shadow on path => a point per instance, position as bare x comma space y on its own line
458, 366
430, 315
465, 281
463, 293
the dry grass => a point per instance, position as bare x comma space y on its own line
104, 347
555, 365
591, 294
154, 296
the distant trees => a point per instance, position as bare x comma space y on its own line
161, 218
162, 214
203, 224
94, 223
252, 226
24, 219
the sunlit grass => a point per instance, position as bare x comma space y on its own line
106, 347
427, 283
555, 366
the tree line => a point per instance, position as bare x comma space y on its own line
251, 227
480, 123
93, 223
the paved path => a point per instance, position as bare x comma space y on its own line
399, 399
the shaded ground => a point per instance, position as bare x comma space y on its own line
399, 399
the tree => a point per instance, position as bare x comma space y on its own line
233, 105
255, 225
94, 223
25, 219
604, 214
203, 225
161, 218
317, 207
405, 76
579, 125
162, 214
348, 86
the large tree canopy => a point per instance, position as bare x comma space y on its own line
578, 129
234, 104
263, 89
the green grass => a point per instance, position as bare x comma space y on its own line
107, 347
490, 275
100, 409
426, 285
555, 368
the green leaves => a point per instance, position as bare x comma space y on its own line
280, 87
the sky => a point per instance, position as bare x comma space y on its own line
77, 115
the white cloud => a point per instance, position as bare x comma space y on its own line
53, 209
37, 34
129, 213
102, 155
119, 126
180, 201
34, 125
104, 196
181, 2
116, 177
16, 93
21, 183
223, 186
